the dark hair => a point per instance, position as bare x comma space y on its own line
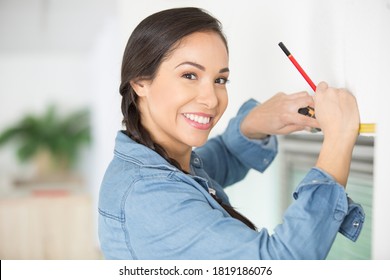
150, 43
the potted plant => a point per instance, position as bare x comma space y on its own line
54, 142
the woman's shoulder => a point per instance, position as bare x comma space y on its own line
123, 176
127, 182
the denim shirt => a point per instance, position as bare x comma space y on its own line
148, 209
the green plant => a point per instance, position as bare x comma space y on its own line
61, 137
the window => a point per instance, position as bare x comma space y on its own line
300, 153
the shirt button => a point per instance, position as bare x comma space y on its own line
355, 224
197, 162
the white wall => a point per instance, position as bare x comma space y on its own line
104, 75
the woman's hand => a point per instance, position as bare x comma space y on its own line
279, 115
338, 115
336, 111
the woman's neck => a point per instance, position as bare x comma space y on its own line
183, 157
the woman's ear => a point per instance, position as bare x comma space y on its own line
139, 86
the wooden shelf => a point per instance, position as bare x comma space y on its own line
47, 225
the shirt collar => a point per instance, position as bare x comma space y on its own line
127, 149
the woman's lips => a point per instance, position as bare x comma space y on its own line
198, 120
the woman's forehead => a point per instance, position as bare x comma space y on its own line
204, 46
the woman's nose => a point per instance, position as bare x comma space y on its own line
208, 96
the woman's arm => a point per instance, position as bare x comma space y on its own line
248, 142
227, 158
278, 115
175, 218
338, 116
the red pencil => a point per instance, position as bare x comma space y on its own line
296, 64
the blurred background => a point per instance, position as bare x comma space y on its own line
60, 110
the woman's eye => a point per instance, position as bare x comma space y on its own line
221, 81
189, 76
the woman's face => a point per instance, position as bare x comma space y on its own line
188, 95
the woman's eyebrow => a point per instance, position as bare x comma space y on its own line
223, 70
201, 67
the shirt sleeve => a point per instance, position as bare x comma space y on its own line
227, 158
350, 214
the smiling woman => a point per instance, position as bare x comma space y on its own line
185, 99
160, 199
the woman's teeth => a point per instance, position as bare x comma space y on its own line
198, 119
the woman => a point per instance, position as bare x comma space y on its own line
159, 199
